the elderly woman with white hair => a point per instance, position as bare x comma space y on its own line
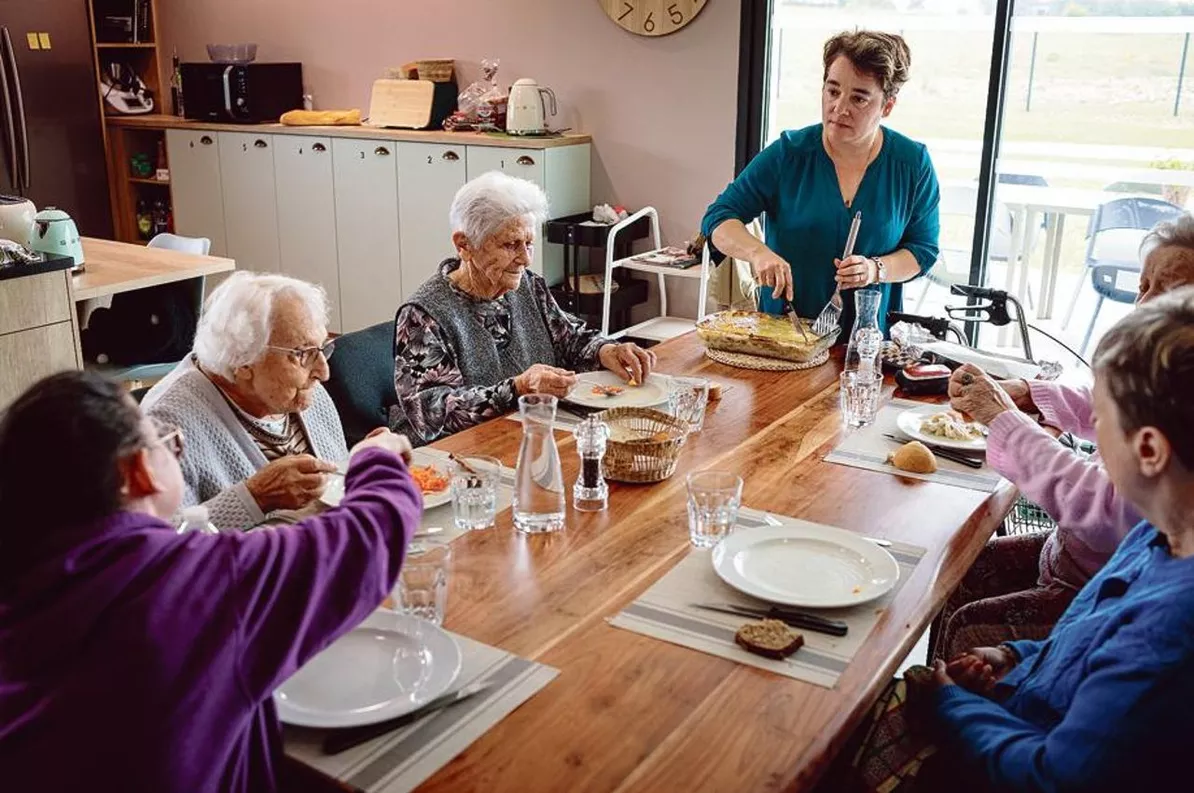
259, 426
484, 330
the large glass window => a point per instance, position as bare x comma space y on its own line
1098, 106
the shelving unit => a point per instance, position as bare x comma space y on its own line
112, 21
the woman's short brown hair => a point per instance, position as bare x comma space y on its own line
884, 56
1147, 361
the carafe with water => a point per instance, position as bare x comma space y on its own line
538, 479
866, 339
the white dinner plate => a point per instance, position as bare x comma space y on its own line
649, 394
910, 420
334, 492
805, 565
387, 666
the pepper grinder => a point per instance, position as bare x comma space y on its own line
591, 493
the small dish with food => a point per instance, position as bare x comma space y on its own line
937, 425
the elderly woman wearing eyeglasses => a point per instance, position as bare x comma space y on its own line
261, 432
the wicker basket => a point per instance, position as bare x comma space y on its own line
437, 70
650, 447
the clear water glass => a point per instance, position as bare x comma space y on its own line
687, 399
539, 504
474, 483
859, 397
423, 583
713, 501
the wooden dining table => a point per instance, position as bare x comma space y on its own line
632, 713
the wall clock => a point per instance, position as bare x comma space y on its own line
652, 17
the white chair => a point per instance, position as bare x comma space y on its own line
136, 373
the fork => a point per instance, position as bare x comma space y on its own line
831, 316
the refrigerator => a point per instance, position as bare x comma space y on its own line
50, 123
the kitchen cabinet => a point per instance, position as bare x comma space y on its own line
305, 187
367, 239
562, 172
429, 174
195, 186
250, 200
39, 332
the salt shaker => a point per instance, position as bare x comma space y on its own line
591, 493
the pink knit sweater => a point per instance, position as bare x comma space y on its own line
1091, 516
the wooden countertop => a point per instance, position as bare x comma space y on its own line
631, 713
112, 267
372, 133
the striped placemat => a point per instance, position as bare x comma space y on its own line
868, 448
665, 612
404, 759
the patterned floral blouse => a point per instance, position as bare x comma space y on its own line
433, 399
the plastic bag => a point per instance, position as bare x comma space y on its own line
483, 103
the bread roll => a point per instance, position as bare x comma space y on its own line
914, 457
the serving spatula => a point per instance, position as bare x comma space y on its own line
831, 316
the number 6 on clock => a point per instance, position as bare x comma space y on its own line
652, 17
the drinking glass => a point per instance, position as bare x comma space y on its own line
687, 399
474, 491
859, 398
423, 583
713, 501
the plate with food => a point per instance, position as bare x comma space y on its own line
604, 389
805, 565
398, 663
428, 471
937, 425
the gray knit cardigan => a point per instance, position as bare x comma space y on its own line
219, 454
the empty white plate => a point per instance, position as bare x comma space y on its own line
909, 422
334, 492
387, 666
805, 565
645, 395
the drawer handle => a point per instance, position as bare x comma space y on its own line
525, 160
259, 143
318, 147
382, 151
206, 140
451, 156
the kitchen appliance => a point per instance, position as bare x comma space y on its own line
51, 143
54, 232
16, 219
246, 93
124, 90
526, 113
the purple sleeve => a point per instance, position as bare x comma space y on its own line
300, 587
1069, 409
1076, 492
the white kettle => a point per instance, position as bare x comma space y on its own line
525, 110
16, 219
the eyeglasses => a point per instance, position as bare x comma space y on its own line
170, 437
306, 356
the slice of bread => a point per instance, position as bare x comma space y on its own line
769, 638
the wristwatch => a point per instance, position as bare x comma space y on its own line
880, 270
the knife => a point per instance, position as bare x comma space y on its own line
797, 619
941, 451
342, 740
794, 318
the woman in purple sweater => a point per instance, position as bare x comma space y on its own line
1009, 594
134, 658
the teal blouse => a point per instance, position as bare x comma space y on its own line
794, 182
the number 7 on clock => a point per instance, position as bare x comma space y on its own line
629, 10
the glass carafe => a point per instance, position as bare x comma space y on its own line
866, 339
538, 480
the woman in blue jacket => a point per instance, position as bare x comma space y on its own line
812, 181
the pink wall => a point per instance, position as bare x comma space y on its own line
661, 111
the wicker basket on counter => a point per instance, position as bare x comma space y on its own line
644, 444
437, 70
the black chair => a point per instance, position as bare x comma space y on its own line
1105, 280
361, 379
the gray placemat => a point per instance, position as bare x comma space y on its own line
403, 760
868, 448
665, 612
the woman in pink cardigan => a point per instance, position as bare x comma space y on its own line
1019, 586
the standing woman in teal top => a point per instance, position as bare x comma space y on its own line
811, 181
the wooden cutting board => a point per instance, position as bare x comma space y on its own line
401, 103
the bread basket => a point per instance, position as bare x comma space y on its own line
436, 70
764, 335
644, 444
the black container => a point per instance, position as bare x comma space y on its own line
574, 233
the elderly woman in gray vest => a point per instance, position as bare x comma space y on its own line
261, 432
484, 330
